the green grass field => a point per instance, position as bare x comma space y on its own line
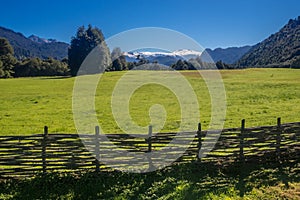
258, 95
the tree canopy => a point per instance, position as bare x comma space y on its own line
39, 67
7, 60
82, 45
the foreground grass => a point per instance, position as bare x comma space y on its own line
188, 181
258, 95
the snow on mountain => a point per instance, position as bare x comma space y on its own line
37, 39
187, 52
166, 58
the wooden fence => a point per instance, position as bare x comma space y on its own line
42, 153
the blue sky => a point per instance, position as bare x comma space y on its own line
212, 23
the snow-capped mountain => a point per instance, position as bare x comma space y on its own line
165, 58
37, 39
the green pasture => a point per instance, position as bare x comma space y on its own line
258, 95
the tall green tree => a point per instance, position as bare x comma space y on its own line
118, 60
86, 41
7, 60
116, 53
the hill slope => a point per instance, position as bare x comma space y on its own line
229, 55
34, 46
281, 49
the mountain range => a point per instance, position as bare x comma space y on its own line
165, 58
281, 49
33, 46
228, 55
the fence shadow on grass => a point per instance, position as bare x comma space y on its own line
23, 156
54, 77
186, 181
243, 159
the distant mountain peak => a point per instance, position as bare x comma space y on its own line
34, 46
37, 39
294, 22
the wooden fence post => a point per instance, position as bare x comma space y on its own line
149, 140
278, 139
97, 149
44, 145
241, 136
199, 142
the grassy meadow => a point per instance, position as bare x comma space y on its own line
258, 95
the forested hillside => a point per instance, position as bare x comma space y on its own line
281, 49
28, 47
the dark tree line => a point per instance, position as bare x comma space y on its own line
38, 67
11, 67
198, 64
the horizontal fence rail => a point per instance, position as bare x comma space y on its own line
22, 156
